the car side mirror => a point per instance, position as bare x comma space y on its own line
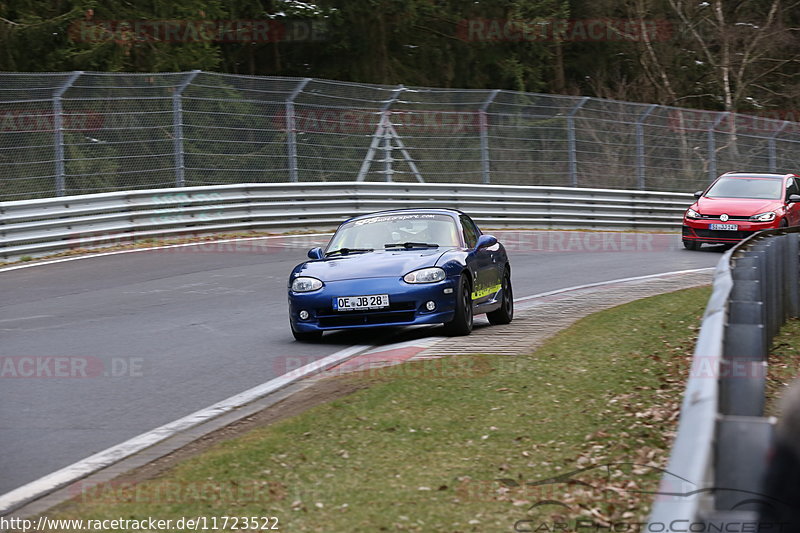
794, 198
485, 241
316, 253
698, 194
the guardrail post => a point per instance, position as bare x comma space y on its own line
484, 125
640, 166
571, 147
291, 130
792, 273
746, 340
773, 285
783, 278
177, 124
773, 156
58, 129
712, 147
737, 476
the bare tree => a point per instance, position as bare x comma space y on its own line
740, 44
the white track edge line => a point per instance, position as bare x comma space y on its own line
46, 484
612, 282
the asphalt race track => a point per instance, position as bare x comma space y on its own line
99, 350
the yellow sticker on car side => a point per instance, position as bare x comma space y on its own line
480, 293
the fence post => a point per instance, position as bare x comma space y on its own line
177, 124
291, 130
58, 129
773, 156
388, 171
712, 148
640, 174
484, 126
571, 148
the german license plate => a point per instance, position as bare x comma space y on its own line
361, 303
723, 227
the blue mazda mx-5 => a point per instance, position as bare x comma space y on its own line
396, 268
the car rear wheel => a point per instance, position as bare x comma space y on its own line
462, 321
691, 245
306, 336
505, 314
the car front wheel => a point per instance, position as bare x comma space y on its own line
462, 320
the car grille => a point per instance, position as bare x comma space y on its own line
716, 234
396, 312
716, 217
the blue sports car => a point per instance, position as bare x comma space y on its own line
403, 267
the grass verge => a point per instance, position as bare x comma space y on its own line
455, 444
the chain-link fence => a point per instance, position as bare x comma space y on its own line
84, 132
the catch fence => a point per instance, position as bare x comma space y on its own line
87, 132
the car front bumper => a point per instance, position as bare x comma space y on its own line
699, 230
407, 304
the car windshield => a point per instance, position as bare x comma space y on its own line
403, 231
761, 188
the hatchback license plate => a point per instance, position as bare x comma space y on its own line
723, 227
360, 303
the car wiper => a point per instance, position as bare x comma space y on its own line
409, 245
345, 251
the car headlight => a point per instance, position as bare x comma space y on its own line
769, 216
306, 284
691, 213
425, 275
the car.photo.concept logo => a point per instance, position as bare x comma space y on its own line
595, 498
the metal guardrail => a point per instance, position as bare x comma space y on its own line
36, 227
718, 460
